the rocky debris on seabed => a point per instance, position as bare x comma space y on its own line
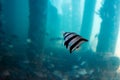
55, 67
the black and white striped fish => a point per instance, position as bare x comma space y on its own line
72, 41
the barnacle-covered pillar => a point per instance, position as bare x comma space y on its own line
108, 35
88, 16
9, 11
107, 38
37, 22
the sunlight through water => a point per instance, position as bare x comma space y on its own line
96, 26
117, 52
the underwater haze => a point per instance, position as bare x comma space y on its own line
34, 43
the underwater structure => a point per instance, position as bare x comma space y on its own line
37, 37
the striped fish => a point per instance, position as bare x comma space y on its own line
72, 41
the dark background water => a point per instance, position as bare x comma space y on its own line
31, 39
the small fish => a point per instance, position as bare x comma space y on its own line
72, 41
56, 39
96, 35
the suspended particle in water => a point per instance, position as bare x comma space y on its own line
29, 40
11, 46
